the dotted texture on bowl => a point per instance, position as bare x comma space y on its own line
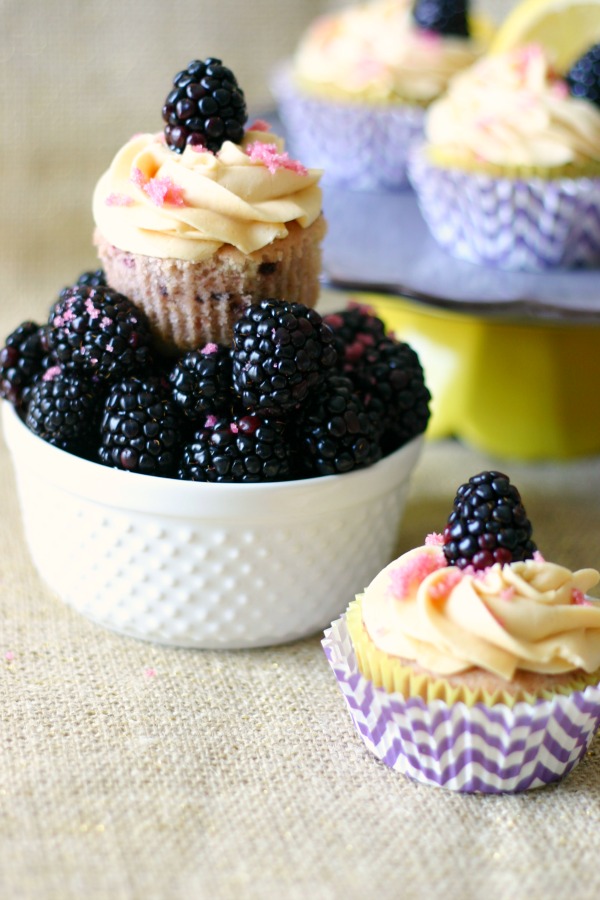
204, 583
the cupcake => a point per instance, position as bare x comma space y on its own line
193, 222
472, 663
509, 173
352, 100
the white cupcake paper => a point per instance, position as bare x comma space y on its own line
360, 146
531, 224
468, 749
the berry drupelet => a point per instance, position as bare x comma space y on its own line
63, 410
355, 330
335, 434
100, 332
245, 448
583, 78
205, 108
449, 17
282, 352
22, 360
140, 430
488, 524
201, 382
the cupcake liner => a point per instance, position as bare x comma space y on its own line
522, 224
359, 146
189, 304
465, 748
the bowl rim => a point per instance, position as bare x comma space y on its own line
37, 459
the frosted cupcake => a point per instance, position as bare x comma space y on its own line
353, 99
194, 222
472, 663
509, 174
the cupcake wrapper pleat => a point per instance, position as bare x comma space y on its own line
469, 749
521, 224
359, 146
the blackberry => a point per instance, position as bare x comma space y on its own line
63, 410
140, 429
583, 78
205, 108
488, 524
335, 433
201, 382
22, 360
442, 16
245, 448
354, 330
281, 354
100, 332
390, 379
95, 278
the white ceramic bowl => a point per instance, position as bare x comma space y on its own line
205, 565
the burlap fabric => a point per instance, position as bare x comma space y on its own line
129, 770
134, 772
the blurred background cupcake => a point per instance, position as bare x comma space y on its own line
509, 174
352, 100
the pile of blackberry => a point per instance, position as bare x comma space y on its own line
294, 396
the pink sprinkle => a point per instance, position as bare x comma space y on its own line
105, 323
138, 177
110, 347
560, 89
91, 310
537, 556
208, 349
434, 540
119, 200
260, 125
163, 190
150, 672
233, 428
412, 573
51, 373
9, 656
507, 594
211, 421
579, 599
269, 156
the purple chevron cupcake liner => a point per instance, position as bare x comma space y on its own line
514, 224
359, 146
495, 749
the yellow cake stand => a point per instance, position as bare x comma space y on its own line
524, 390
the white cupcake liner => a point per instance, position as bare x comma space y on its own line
517, 224
359, 146
494, 749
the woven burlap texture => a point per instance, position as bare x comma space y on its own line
130, 770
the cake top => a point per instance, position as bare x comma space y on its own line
513, 109
206, 181
499, 605
380, 52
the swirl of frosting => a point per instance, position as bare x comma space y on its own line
374, 52
185, 206
513, 109
531, 615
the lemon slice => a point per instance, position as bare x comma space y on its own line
566, 28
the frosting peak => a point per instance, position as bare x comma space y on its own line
531, 615
513, 109
185, 206
375, 52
